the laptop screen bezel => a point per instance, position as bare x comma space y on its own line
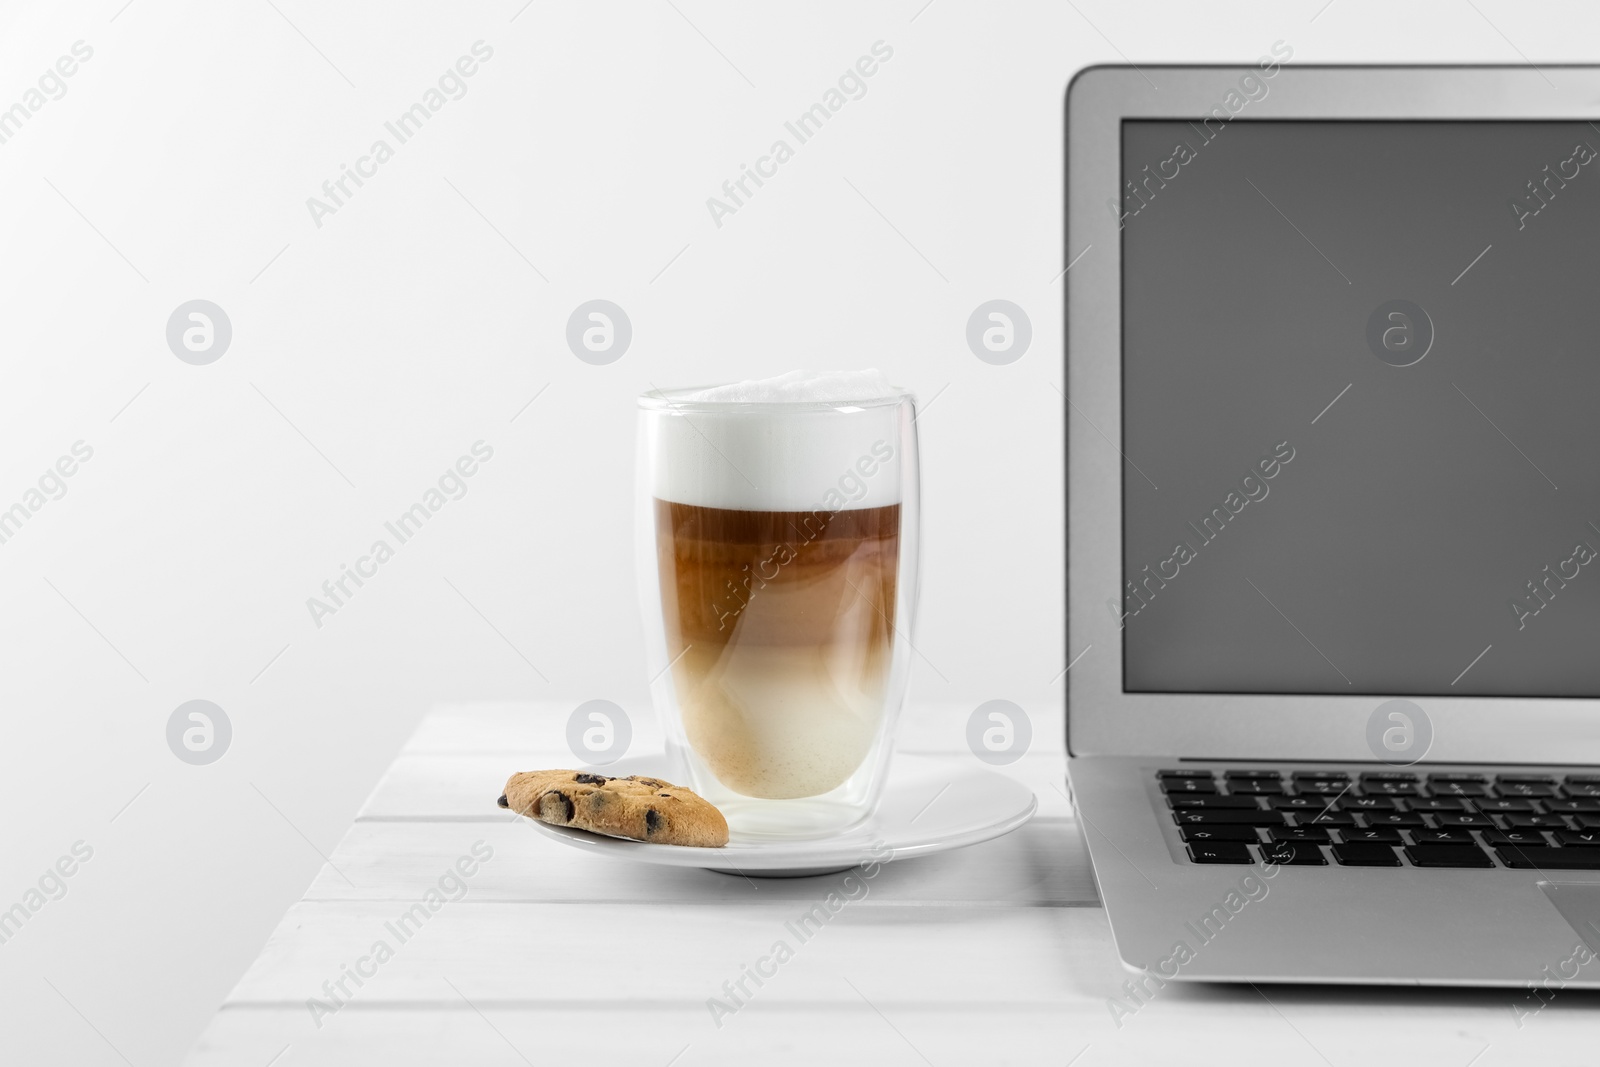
1103, 719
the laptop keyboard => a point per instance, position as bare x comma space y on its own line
1315, 818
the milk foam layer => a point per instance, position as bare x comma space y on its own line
808, 447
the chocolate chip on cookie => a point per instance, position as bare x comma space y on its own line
644, 809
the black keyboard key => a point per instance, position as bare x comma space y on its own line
1435, 804
1326, 818
1298, 833
1573, 790
1294, 853
1382, 834
1325, 776
1228, 818
1194, 834
1496, 805
1232, 774
1212, 801
1364, 854
1455, 776
1296, 803
1457, 789
1571, 807
1219, 852
1524, 789
1583, 779
1322, 789
1256, 787
1587, 822
1190, 773
1578, 838
1389, 789
1448, 856
1349, 803
1550, 859
1525, 779
1400, 819
1187, 785
1463, 818
1520, 821
1495, 838
1442, 837
1387, 776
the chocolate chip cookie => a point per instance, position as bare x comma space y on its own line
644, 809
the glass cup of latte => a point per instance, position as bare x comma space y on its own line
778, 576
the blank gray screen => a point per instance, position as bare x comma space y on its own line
1399, 321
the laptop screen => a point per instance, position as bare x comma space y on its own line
1361, 407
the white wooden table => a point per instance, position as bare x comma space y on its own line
543, 954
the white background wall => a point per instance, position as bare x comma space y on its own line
370, 352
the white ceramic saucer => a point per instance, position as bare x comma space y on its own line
930, 804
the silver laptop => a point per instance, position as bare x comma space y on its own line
1333, 438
